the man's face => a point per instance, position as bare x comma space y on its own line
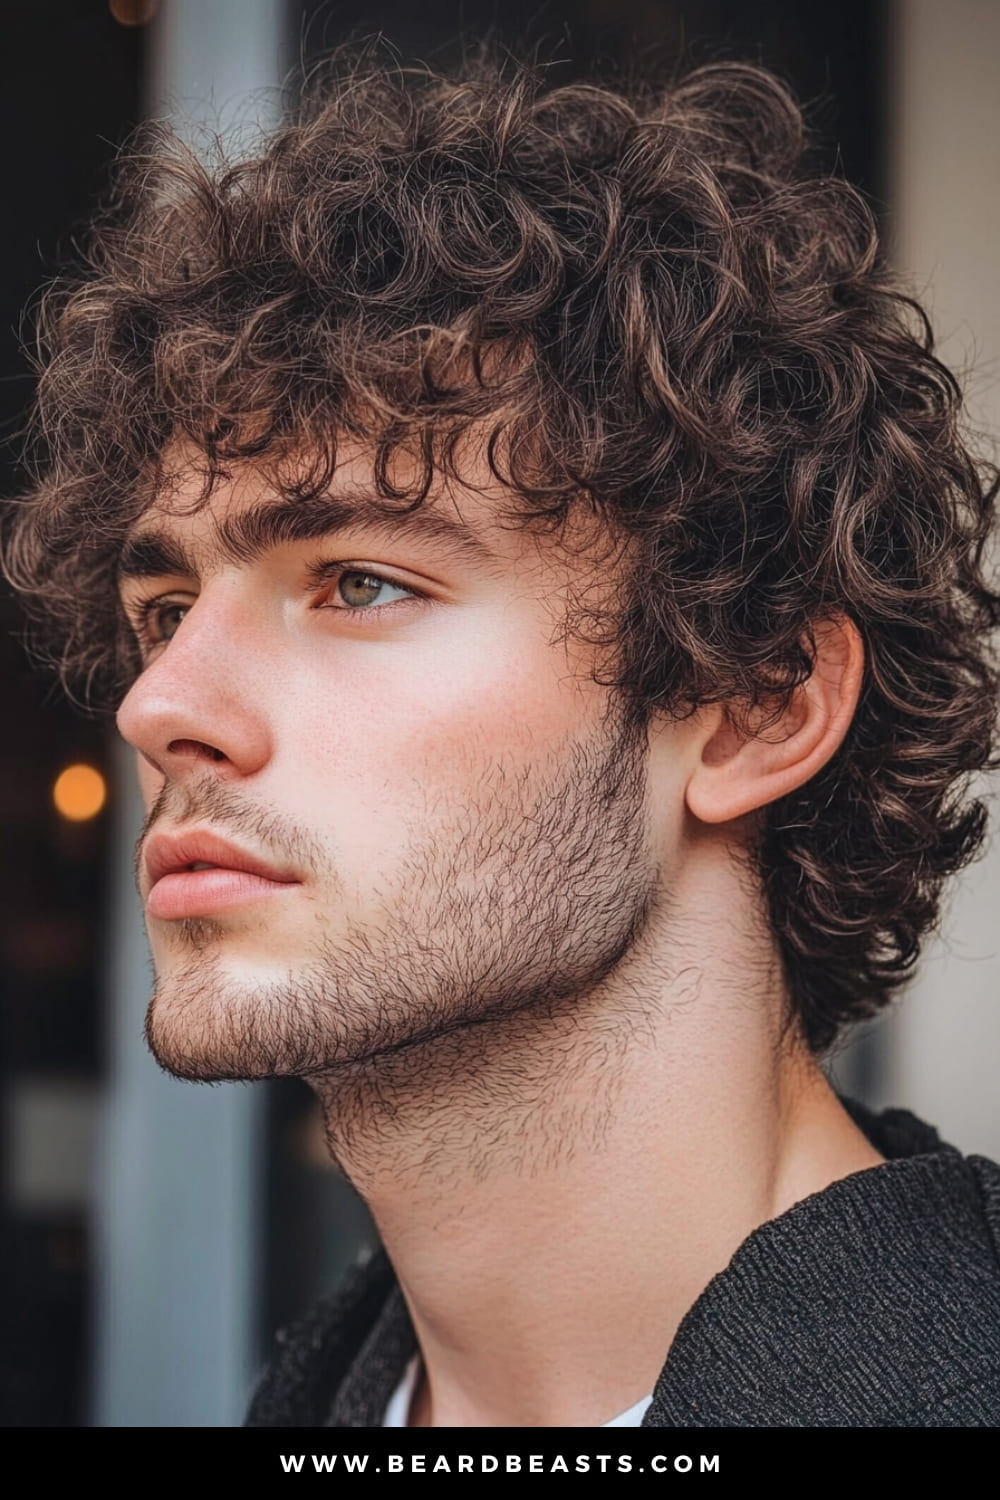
386, 798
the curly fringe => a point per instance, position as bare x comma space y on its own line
652, 310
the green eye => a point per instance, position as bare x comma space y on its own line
359, 590
168, 618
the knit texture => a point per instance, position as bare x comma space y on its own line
875, 1303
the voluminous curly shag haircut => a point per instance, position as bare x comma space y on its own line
652, 311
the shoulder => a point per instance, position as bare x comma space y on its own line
873, 1303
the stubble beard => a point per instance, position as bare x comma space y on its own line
541, 887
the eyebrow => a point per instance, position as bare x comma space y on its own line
243, 538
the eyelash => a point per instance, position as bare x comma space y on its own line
328, 576
145, 612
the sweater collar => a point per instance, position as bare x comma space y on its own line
858, 1306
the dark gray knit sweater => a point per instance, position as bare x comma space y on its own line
875, 1303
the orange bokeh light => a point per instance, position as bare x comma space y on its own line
132, 12
79, 793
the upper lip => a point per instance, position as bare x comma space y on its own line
172, 853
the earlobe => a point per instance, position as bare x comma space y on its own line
740, 770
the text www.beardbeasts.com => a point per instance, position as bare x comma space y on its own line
492, 1463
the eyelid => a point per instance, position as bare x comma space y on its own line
138, 607
323, 573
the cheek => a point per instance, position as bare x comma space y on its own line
150, 781
408, 710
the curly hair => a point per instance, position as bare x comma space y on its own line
654, 311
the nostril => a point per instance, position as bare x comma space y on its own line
197, 749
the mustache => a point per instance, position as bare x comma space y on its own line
232, 814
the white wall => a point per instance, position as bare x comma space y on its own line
942, 1046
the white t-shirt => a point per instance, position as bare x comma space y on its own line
398, 1410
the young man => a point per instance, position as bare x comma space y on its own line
527, 539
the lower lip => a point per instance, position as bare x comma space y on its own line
200, 893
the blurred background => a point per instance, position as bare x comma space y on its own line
154, 1233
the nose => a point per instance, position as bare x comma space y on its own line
199, 703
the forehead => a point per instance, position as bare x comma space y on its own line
191, 526
251, 508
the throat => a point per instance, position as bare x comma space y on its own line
552, 1218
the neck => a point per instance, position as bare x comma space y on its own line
555, 1188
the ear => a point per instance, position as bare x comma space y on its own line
738, 771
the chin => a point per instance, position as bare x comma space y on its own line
210, 1022
189, 1047
220, 1015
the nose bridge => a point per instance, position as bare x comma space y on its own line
205, 687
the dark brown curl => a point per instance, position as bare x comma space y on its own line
654, 311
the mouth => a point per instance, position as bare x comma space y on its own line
197, 874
